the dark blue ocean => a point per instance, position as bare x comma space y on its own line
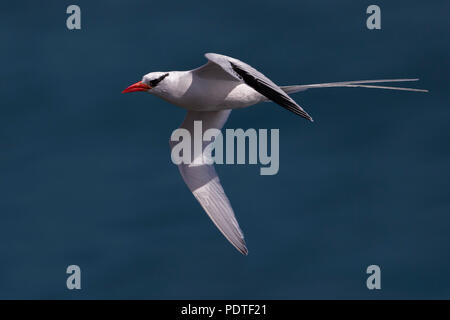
86, 176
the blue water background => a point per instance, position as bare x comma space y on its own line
86, 177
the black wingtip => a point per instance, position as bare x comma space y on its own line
302, 113
307, 116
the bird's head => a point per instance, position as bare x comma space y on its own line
150, 82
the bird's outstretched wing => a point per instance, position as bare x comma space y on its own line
256, 80
201, 178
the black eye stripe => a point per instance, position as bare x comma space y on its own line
154, 83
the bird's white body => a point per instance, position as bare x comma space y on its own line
209, 93
195, 90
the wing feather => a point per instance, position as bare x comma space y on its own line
257, 81
204, 182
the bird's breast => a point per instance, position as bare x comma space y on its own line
209, 94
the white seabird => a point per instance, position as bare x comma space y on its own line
209, 93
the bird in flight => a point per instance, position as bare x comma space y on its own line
209, 93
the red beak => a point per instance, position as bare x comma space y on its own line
138, 86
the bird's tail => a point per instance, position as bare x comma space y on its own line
351, 84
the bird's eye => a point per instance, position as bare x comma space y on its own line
153, 83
